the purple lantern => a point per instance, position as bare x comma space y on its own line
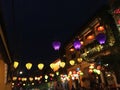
77, 44
101, 38
56, 45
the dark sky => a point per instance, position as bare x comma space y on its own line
32, 25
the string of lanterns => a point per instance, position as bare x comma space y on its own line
100, 37
77, 44
28, 65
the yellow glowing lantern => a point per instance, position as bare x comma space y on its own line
24, 84
91, 66
79, 60
24, 79
62, 64
36, 78
33, 83
29, 66
40, 66
52, 65
14, 78
13, 84
96, 71
72, 62
46, 76
57, 73
15, 65
31, 78
81, 73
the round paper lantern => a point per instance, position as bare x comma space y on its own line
57, 73
14, 78
77, 44
31, 78
29, 66
56, 45
40, 66
46, 76
72, 62
52, 65
101, 38
79, 60
62, 64
15, 65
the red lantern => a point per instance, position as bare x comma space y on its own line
118, 21
101, 28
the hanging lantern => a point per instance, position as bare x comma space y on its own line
57, 73
72, 62
29, 66
101, 28
56, 45
14, 78
62, 64
52, 65
101, 38
77, 44
40, 66
46, 76
79, 60
24, 79
15, 65
91, 66
31, 78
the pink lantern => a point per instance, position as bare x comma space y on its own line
56, 45
101, 38
77, 44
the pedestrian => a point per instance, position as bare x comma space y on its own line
72, 88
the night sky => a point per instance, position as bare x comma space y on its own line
32, 25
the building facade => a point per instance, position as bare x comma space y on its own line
5, 61
99, 40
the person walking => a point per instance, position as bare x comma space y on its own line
72, 88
